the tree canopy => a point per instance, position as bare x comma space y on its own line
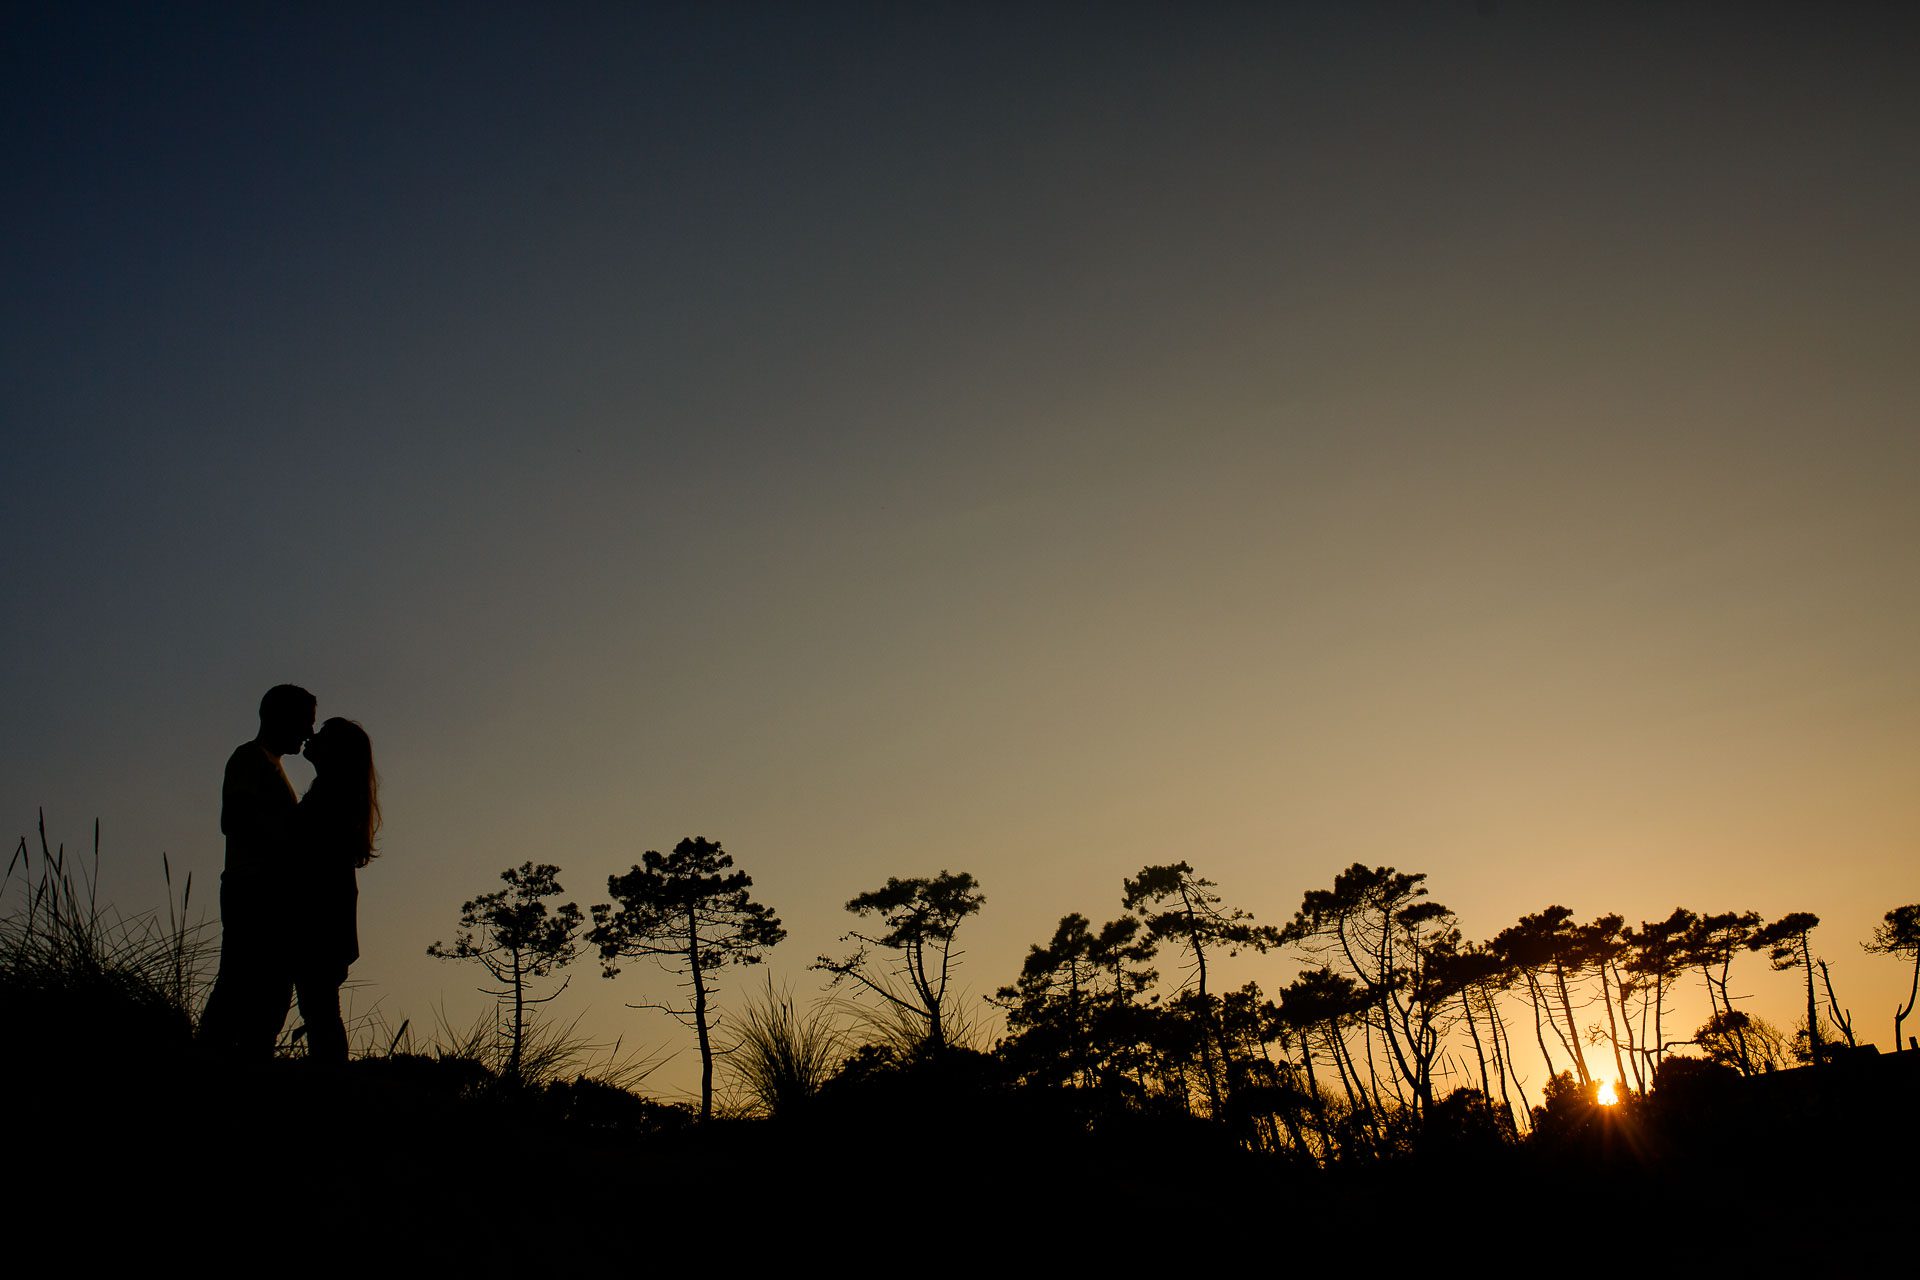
918, 918
515, 937
691, 912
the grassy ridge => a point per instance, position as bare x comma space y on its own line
115, 1118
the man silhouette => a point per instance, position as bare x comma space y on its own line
255, 983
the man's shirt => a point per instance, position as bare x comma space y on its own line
256, 814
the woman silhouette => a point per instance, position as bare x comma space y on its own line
334, 834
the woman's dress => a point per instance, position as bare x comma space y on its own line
325, 937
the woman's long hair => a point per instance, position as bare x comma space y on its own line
347, 788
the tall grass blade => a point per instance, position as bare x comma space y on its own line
780, 1057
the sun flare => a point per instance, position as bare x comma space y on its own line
1607, 1096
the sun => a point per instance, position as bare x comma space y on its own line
1607, 1095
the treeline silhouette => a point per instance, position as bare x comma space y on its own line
1385, 1079
1397, 1031
1377, 1082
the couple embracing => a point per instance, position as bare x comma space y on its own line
288, 894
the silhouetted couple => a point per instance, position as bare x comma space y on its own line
288, 894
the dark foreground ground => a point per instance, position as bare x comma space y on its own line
168, 1158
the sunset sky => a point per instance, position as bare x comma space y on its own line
1035, 441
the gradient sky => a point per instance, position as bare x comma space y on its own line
1031, 441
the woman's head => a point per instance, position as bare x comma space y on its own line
342, 758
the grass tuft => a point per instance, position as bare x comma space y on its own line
778, 1057
73, 971
552, 1053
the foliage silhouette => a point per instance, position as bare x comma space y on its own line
920, 917
1475, 974
513, 936
1749, 1045
1788, 943
1712, 944
1466, 1126
1268, 1104
1658, 952
1548, 945
1394, 947
691, 912
1322, 1001
1568, 1112
1179, 907
1898, 934
1074, 1009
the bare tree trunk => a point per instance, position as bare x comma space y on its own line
1637, 1048
700, 1016
1286, 1117
1659, 1019
1533, 998
1359, 1102
1206, 1010
1319, 1103
1082, 1050
1900, 1015
1373, 1076
1486, 1089
1613, 1028
1553, 1019
1340, 1065
1389, 1008
1726, 1002
1573, 1029
519, 1019
1499, 1058
1813, 1010
1503, 1037
917, 974
1841, 1018
1372, 1109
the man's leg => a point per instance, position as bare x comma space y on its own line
217, 1019
251, 993
222, 1022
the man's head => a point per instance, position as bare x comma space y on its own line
286, 719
